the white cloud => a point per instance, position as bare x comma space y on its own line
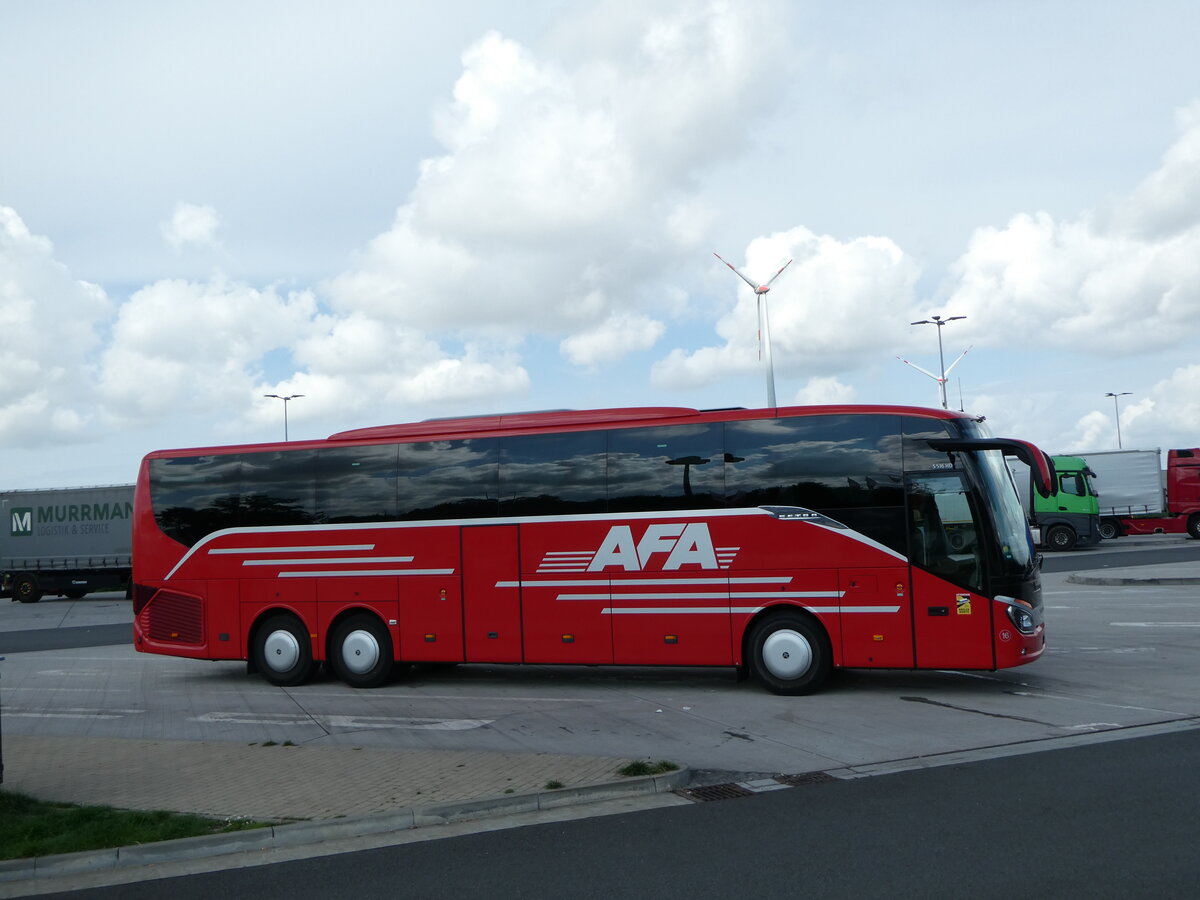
1169, 416
836, 304
51, 325
180, 346
191, 224
824, 390
567, 195
1117, 285
620, 334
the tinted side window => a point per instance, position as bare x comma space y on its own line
357, 484
918, 455
278, 488
848, 467
674, 467
553, 474
448, 479
193, 496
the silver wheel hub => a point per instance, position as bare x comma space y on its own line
787, 654
281, 651
360, 652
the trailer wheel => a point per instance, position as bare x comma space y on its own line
789, 653
26, 589
282, 651
1109, 529
360, 652
1061, 537
1194, 526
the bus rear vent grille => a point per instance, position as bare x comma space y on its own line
173, 618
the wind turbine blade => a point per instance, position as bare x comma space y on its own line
960, 356
737, 273
919, 369
777, 274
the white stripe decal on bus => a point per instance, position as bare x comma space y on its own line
643, 582
328, 560
715, 595
337, 573
326, 549
668, 610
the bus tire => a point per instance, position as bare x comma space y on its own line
1110, 529
789, 653
26, 589
1061, 537
360, 651
1193, 526
282, 651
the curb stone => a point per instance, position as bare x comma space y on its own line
315, 831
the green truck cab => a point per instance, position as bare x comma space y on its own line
1068, 518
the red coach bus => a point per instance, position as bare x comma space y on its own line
783, 542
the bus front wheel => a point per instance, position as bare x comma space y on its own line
360, 652
283, 652
790, 654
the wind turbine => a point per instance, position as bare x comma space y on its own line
764, 322
945, 376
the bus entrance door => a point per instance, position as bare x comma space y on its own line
951, 619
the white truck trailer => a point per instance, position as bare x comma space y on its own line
67, 542
1128, 483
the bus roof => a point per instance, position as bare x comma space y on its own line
565, 420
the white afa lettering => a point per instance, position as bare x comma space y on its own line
694, 548
618, 549
683, 544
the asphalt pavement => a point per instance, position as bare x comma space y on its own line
324, 795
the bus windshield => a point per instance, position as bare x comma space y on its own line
1012, 531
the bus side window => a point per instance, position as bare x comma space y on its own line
943, 537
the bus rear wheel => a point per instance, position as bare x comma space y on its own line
790, 654
282, 651
360, 652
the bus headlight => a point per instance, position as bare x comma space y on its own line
1022, 618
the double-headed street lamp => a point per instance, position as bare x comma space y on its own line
285, 403
1117, 412
939, 322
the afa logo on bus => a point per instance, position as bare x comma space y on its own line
666, 547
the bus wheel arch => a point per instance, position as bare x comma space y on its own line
281, 650
360, 650
788, 651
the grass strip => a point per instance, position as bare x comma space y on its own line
31, 827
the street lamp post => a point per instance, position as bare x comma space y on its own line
1117, 412
285, 403
939, 322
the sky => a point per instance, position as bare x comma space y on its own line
403, 211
